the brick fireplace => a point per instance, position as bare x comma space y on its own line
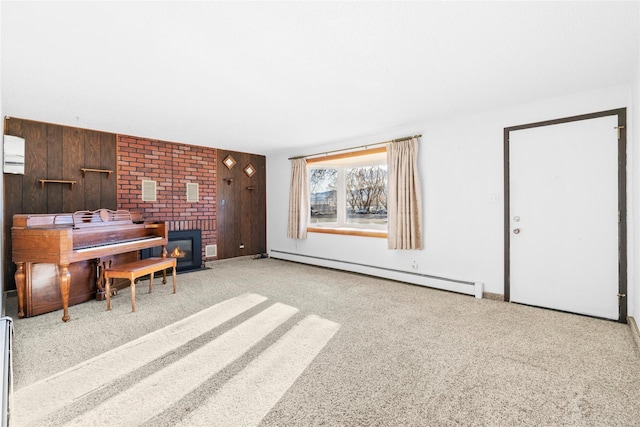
172, 166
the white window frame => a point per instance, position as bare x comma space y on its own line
341, 163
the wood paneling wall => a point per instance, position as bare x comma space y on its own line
57, 152
241, 206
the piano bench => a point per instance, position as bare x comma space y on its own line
136, 269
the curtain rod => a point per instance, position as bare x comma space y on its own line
354, 148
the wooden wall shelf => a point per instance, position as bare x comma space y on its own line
57, 181
107, 171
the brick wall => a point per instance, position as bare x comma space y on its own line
172, 166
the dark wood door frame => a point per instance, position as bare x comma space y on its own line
622, 200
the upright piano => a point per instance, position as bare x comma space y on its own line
69, 238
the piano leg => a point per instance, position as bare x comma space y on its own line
65, 282
20, 280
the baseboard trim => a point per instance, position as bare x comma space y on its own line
492, 296
436, 282
635, 332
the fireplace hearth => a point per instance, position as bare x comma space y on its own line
185, 246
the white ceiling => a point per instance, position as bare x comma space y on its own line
262, 77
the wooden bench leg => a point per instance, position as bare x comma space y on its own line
133, 295
174, 280
151, 282
108, 291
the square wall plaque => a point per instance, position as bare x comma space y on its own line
249, 170
229, 161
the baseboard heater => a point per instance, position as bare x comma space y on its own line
6, 335
460, 286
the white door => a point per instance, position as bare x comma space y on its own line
563, 208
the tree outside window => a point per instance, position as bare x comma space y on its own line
366, 194
323, 184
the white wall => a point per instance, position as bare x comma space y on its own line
1, 178
461, 162
633, 135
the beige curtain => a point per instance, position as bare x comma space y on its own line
404, 205
298, 200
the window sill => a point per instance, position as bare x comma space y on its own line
349, 231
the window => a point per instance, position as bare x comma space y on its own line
348, 193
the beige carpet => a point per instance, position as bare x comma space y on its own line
283, 344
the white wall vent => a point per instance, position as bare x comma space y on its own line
211, 251
192, 192
148, 191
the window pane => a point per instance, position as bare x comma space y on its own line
366, 194
323, 184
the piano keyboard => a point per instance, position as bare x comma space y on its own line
114, 245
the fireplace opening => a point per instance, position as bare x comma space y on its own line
185, 246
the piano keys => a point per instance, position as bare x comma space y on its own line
70, 240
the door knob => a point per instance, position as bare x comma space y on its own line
516, 231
